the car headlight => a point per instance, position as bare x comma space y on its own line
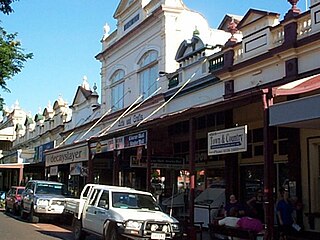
175, 227
43, 202
135, 225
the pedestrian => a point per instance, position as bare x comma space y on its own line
234, 203
285, 214
255, 206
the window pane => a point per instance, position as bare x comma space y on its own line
117, 96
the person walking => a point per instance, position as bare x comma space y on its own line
255, 206
284, 214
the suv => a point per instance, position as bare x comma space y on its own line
43, 199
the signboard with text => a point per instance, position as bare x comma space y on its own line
227, 141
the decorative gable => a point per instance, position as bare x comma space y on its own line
257, 20
188, 48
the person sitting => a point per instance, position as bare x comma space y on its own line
249, 223
230, 220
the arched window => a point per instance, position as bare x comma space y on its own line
117, 89
148, 73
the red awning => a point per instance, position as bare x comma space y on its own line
299, 86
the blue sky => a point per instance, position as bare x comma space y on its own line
64, 36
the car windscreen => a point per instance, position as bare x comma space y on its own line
46, 188
134, 201
20, 190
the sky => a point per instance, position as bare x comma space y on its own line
64, 36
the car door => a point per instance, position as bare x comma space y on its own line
101, 212
28, 196
89, 210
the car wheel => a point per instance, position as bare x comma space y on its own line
32, 217
22, 213
78, 233
15, 209
6, 208
113, 233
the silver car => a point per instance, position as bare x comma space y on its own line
43, 199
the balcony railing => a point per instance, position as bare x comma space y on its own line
277, 36
304, 26
216, 63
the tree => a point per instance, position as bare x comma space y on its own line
12, 56
5, 6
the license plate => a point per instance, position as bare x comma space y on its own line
158, 236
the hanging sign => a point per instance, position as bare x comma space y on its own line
227, 141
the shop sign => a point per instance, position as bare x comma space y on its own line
227, 141
135, 140
67, 156
157, 162
54, 171
39, 155
75, 168
130, 120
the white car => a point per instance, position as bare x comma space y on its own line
115, 213
43, 199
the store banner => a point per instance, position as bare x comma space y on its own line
227, 141
75, 168
54, 171
67, 155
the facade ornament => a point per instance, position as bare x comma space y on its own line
85, 83
294, 11
232, 28
106, 30
294, 4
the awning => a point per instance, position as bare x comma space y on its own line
303, 85
7, 134
299, 113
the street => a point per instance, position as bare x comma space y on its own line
13, 228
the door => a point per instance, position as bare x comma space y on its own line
101, 212
89, 211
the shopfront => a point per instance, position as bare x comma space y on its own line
69, 165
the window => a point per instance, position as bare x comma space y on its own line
104, 200
117, 89
148, 73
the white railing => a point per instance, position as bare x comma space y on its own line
238, 53
304, 26
277, 36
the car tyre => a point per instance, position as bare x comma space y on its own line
6, 208
22, 213
112, 233
32, 218
78, 233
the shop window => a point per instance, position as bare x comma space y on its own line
117, 89
248, 153
258, 150
283, 133
148, 74
201, 122
257, 135
283, 147
201, 144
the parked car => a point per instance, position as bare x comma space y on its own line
43, 199
113, 212
2, 199
13, 199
